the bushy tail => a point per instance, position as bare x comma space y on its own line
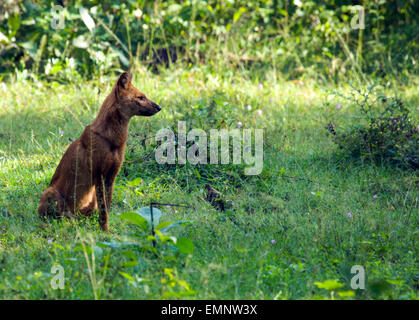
52, 204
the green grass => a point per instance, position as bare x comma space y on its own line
301, 200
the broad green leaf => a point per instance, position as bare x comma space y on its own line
346, 294
163, 225
59, 246
146, 214
185, 245
126, 276
396, 282
135, 218
151, 238
87, 19
220, 103
70, 260
329, 284
282, 171
14, 23
283, 12
164, 238
56, 68
238, 13
129, 264
135, 183
165, 229
129, 254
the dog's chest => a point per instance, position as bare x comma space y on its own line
115, 157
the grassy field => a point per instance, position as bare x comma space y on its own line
309, 216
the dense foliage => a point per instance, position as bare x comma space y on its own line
289, 67
383, 129
296, 37
292, 232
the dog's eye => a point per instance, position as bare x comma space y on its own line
141, 98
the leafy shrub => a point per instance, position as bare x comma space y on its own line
294, 36
384, 131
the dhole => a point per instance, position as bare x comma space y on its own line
83, 181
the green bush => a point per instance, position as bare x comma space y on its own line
295, 37
384, 131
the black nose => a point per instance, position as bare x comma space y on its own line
156, 106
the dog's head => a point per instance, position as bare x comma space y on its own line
131, 101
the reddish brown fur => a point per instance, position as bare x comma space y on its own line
83, 181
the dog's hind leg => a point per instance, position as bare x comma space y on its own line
91, 207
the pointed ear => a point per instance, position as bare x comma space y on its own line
124, 79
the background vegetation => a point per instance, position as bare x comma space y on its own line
339, 111
297, 38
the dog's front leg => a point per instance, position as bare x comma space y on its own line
102, 203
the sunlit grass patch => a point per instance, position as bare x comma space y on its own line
307, 218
